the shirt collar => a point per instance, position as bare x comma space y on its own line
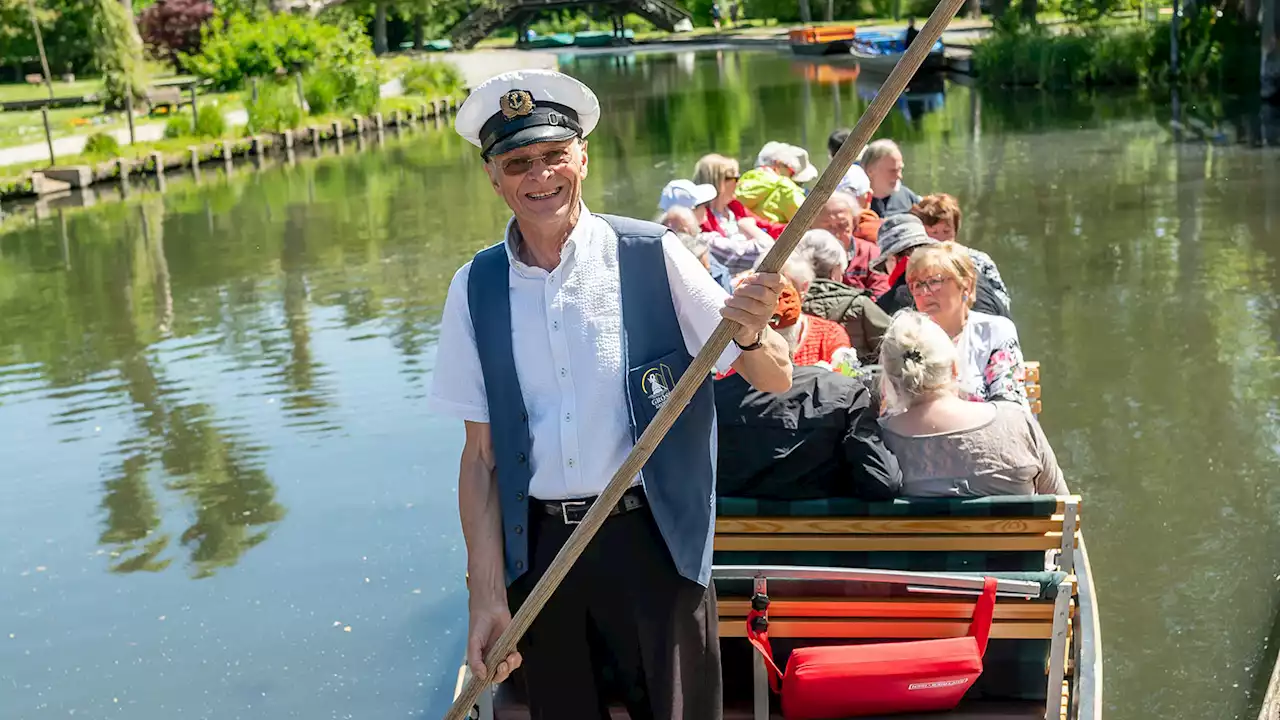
578, 239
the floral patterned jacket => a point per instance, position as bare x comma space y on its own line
991, 364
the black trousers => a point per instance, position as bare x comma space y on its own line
623, 624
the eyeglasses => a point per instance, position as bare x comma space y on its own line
931, 285
520, 166
734, 178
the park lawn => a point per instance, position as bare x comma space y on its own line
11, 92
23, 128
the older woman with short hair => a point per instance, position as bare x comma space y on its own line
940, 214
945, 446
744, 238
943, 283
829, 297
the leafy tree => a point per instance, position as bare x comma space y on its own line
118, 52
170, 27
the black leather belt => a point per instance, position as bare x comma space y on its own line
572, 511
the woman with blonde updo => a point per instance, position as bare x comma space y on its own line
947, 446
944, 285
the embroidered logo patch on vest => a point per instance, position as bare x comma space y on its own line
516, 103
657, 384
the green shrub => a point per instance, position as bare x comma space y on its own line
323, 91
276, 109
433, 78
177, 126
210, 122
101, 145
238, 46
1078, 58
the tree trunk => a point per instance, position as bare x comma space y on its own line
1271, 49
419, 31
380, 29
1029, 11
805, 16
831, 10
975, 9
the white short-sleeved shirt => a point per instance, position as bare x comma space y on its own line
566, 328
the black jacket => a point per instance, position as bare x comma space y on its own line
819, 439
898, 296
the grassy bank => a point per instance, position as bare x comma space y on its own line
1215, 52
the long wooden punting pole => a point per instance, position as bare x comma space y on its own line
702, 365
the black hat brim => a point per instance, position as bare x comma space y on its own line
529, 136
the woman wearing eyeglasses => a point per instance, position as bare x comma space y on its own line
944, 284
746, 236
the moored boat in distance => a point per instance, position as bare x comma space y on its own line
878, 52
839, 571
826, 40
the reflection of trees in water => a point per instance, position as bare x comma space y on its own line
219, 474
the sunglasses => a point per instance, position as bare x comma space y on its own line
735, 178
521, 166
932, 285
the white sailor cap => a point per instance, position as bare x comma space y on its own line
523, 107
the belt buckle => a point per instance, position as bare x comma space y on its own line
564, 510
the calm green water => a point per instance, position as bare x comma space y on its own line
223, 494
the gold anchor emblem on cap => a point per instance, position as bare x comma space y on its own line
516, 103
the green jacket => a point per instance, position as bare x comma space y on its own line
769, 195
854, 309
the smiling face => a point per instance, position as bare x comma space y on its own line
541, 183
837, 218
885, 174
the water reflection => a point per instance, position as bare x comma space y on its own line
226, 383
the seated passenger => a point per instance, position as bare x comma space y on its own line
943, 283
685, 194
817, 440
814, 339
679, 220
830, 298
726, 210
900, 236
840, 217
948, 447
882, 161
771, 190
940, 214
699, 244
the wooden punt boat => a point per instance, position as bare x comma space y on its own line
879, 52
842, 571
826, 40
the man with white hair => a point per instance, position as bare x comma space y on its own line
532, 359
843, 218
883, 162
830, 298
772, 189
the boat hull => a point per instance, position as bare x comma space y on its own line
835, 47
883, 64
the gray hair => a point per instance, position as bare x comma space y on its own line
678, 219
878, 150
918, 359
847, 199
823, 253
799, 272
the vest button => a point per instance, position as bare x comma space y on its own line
524, 417
519, 564
520, 496
519, 530
520, 458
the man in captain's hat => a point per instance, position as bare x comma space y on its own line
557, 347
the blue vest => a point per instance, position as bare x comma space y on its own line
679, 478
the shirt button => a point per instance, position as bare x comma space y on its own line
555, 324
568, 417
570, 462
564, 372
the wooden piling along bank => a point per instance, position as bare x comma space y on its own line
224, 151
